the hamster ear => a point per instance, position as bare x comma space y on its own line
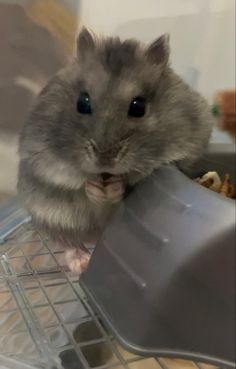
85, 41
159, 50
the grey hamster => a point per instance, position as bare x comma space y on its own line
108, 119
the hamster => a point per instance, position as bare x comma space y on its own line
114, 114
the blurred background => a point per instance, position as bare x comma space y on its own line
37, 37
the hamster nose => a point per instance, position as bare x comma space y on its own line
107, 155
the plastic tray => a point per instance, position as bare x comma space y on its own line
163, 274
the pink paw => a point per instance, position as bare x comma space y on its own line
101, 190
77, 260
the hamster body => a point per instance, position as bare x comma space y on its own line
107, 120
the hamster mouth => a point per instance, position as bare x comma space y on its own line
106, 176
110, 178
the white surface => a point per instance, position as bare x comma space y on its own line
8, 163
202, 33
221, 137
8, 363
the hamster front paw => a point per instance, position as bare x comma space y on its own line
77, 260
105, 189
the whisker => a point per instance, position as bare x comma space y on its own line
136, 169
93, 143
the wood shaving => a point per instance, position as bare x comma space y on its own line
224, 187
211, 180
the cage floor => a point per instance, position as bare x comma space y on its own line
45, 318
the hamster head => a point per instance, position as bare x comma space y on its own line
117, 108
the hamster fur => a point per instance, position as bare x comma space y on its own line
84, 123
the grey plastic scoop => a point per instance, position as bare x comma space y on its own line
163, 274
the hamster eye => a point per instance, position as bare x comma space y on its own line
137, 107
83, 104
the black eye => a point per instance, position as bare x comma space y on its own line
83, 104
137, 107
